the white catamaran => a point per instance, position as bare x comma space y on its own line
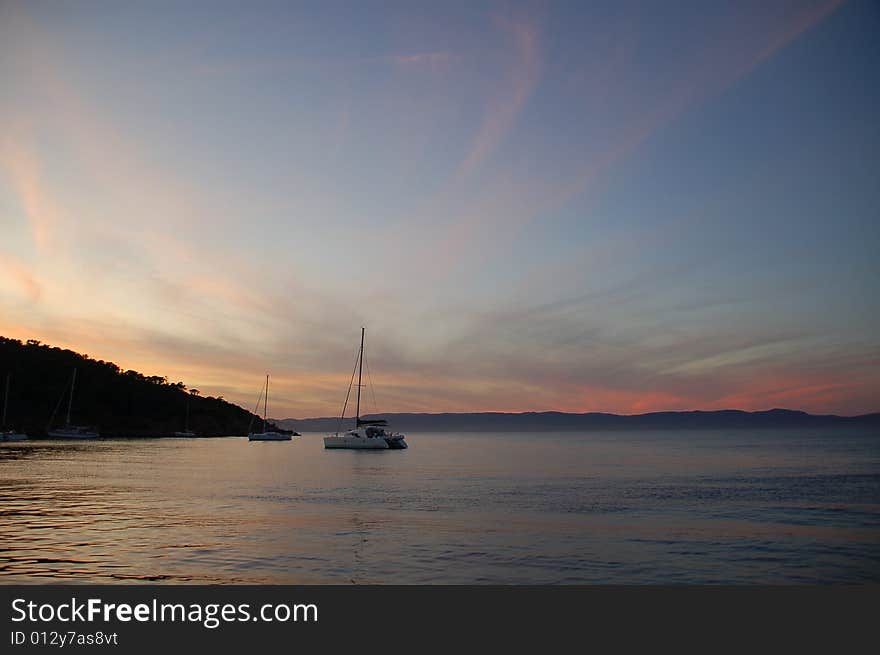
267, 436
9, 435
71, 431
367, 434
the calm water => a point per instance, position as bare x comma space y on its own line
622, 507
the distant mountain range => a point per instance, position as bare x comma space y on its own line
561, 421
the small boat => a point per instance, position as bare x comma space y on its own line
264, 435
9, 435
368, 434
71, 431
186, 432
74, 432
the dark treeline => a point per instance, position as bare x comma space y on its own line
116, 402
561, 421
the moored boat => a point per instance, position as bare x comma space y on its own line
74, 432
186, 432
9, 435
71, 431
269, 435
368, 434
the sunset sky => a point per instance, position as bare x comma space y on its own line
576, 206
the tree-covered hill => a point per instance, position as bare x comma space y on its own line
116, 402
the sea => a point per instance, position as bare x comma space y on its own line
636, 508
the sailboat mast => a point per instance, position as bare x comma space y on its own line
360, 368
265, 402
70, 401
5, 401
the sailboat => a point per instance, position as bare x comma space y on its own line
9, 435
186, 432
367, 434
71, 431
267, 436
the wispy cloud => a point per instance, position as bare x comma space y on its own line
728, 57
340, 64
21, 276
518, 83
23, 170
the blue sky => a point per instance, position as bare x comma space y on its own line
621, 206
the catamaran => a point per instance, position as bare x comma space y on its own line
267, 436
71, 431
9, 435
368, 434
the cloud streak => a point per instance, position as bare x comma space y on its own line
22, 278
23, 170
520, 80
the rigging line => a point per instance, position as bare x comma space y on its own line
58, 406
350, 383
256, 408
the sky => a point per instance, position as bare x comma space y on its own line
575, 206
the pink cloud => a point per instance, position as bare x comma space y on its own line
23, 170
22, 276
503, 110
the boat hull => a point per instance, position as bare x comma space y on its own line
268, 436
185, 434
354, 442
73, 433
13, 436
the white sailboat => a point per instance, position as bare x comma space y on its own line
186, 432
267, 436
9, 435
71, 431
367, 434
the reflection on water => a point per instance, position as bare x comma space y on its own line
623, 507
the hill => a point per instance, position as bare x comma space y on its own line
118, 403
561, 421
